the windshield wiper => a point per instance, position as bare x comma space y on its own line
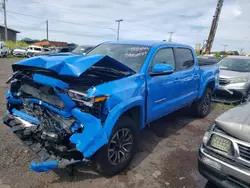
224, 68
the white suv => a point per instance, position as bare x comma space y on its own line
33, 50
3, 50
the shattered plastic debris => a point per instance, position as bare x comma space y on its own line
156, 173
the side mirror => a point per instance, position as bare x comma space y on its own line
161, 69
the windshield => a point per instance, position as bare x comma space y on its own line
233, 64
80, 50
133, 56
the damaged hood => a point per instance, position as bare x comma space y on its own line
236, 122
70, 65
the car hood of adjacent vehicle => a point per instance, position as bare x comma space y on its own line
73, 65
236, 122
233, 74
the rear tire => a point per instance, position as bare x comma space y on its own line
115, 156
203, 106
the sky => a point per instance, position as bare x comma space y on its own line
93, 22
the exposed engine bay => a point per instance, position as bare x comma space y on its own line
53, 106
51, 130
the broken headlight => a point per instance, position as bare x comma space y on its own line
80, 97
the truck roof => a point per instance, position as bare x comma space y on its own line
147, 43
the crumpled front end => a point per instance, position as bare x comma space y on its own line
62, 125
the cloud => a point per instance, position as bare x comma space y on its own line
143, 19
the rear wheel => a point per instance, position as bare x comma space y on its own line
203, 106
117, 154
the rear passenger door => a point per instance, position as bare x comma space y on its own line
188, 75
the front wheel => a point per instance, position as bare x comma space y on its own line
203, 106
117, 154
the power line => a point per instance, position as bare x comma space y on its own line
77, 12
22, 21
62, 9
68, 22
55, 20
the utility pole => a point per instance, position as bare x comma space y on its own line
118, 28
5, 20
47, 29
170, 37
225, 47
214, 26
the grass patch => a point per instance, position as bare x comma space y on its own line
226, 106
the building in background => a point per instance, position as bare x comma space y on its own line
11, 33
46, 43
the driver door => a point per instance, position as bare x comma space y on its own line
162, 89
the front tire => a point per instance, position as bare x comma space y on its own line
203, 106
115, 156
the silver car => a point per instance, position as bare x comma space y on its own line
224, 156
234, 79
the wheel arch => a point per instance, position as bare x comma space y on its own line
133, 108
210, 84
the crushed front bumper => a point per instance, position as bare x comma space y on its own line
221, 173
22, 129
86, 142
231, 93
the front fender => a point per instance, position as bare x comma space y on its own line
122, 107
95, 135
204, 86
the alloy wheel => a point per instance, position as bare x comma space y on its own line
120, 146
206, 103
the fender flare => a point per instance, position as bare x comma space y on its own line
204, 86
120, 109
95, 135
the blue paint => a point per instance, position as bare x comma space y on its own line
93, 136
25, 116
161, 68
67, 65
56, 110
45, 80
155, 96
55, 83
9, 97
43, 166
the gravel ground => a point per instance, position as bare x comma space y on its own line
166, 157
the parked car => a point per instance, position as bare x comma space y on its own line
90, 108
234, 80
3, 50
19, 51
33, 50
208, 60
82, 50
224, 155
57, 50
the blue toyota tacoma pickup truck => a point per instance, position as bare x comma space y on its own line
72, 109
